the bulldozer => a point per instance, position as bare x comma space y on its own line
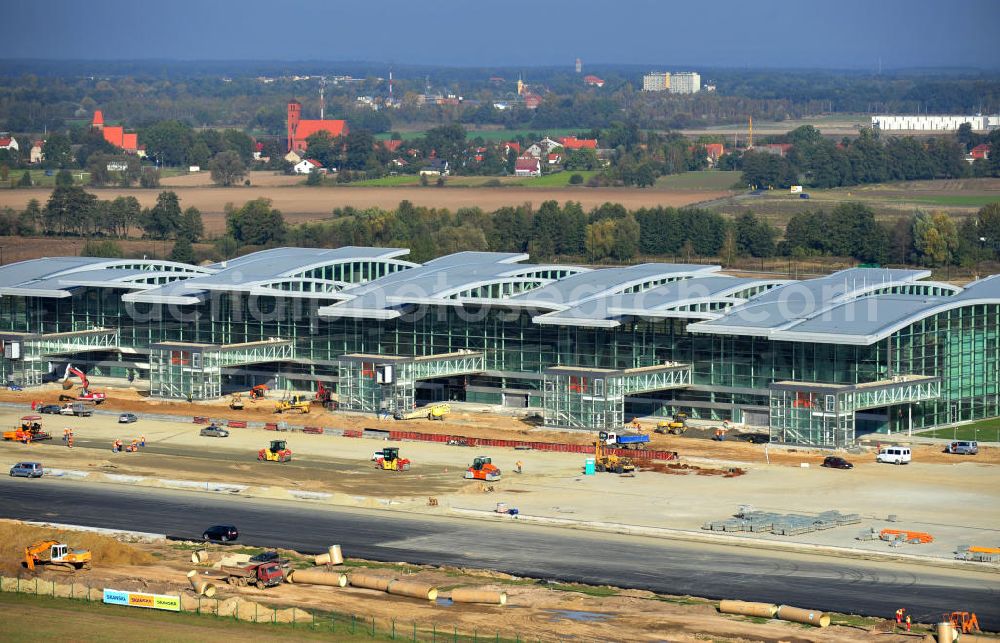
431, 412
53, 553
390, 460
482, 468
236, 402
676, 425
296, 403
610, 462
276, 452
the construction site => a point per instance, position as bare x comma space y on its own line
486, 426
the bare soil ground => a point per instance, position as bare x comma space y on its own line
533, 612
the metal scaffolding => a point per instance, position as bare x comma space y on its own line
823, 414
594, 398
182, 370
24, 354
371, 383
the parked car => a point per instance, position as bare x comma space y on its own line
377, 455
963, 447
224, 533
51, 409
27, 470
835, 462
804, 195
127, 418
894, 455
214, 431
271, 557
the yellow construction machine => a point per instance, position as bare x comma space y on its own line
431, 412
53, 553
610, 462
236, 402
676, 425
390, 460
296, 403
277, 451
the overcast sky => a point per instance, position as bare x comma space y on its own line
663, 33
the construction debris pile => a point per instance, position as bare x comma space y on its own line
978, 554
896, 537
749, 519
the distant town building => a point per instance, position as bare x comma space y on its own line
299, 129
593, 80
9, 143
685, 82
928, 123
656, 81
36, 152
293, 157
307, 166
981, 151
527, 166
116, 135
579, 65
435, 167
574, 143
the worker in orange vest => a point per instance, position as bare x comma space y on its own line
907, 622
899, 616
69, 440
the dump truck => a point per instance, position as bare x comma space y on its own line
31, 427
295, 403
260, 575
53, 553
482, 468
623, 440
431, 412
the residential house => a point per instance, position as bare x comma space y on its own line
554, 158
510, 145
307, 166
36, 152
435, 167
981, 151
9, 143
532, 101
574, 143
779, 149
527, 166
542, 148
593, 81
293, 157
392, 144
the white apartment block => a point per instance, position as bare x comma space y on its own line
924, 122
656, 81
685, 82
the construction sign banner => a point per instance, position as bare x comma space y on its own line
136, 599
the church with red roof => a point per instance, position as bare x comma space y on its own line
299, 129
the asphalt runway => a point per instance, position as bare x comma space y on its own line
671, 567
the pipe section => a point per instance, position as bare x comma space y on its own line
317, 577
475, 595
367, 581
806, 617
413, 590
945, 633
763, 610
200, 587
199, 556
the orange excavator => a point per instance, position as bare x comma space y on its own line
53, 553
482, 468
85, 395
324, 396
258, 392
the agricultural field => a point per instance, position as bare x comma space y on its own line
494, 135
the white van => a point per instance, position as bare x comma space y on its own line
894, 455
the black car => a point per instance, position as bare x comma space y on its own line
49, 408
834, 462
224, 533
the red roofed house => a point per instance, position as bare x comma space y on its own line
392, 144
981, 151
554, 158
299, 130
593, 81
36, 152
527, 167
9, 143
116, 134
511, 145
574, 143
714, 151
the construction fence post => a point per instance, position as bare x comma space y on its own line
354, 623
393, 629
373, 627
293, 619
434, 632
314, 618
455, 637
414, 632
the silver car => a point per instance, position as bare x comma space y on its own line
214, 432
27, 470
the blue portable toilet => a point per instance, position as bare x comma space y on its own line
588, 467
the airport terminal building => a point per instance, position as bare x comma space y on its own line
819, 361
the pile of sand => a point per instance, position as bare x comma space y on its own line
15, 536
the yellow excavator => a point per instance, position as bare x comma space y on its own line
296, 403
610, 462
236, 402
53, 553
